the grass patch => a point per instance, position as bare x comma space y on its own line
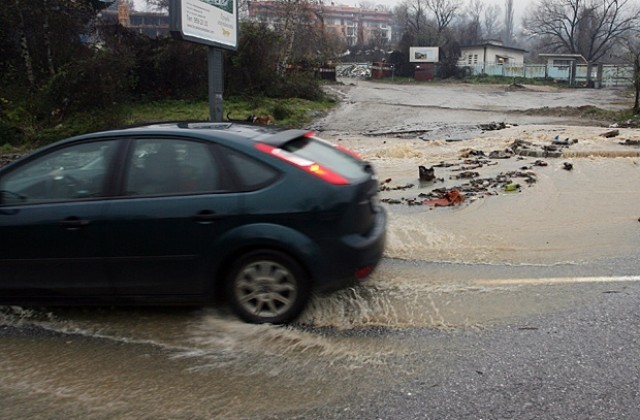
169, 110
510, 80
587, 112
285, 112
396, 80
293, 113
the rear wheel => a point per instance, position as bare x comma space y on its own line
267, 287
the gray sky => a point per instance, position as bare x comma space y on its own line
518, 5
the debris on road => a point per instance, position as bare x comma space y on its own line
563, 142
384, 186
437, 131
426, 174
512, 186
476, 186
447, 198
628, 142
492, 126
610, 133
526, 148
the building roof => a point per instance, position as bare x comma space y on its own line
494, 45
575, 57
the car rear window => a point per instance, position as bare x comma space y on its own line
327, 155
252, 174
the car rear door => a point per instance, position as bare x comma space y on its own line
163, 229
52, 223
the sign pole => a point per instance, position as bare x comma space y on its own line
216, 83
215, 24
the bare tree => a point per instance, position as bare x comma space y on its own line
507, 32
632, 47
587, 27
492, 25
443, 12
413, 14
471, 26
24, 45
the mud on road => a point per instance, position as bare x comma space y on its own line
577, 195
452, 109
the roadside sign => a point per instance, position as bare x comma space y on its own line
424, 54
210, 22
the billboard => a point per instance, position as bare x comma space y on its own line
211, 22
424, 54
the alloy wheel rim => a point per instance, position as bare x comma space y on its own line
265, 289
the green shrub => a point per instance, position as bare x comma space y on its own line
99, 82
281, 112
11, 134
296, 85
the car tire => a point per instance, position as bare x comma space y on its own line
267, 286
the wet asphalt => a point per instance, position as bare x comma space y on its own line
578, 363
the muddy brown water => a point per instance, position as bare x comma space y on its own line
494, 259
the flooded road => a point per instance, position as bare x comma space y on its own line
496, 284
348, 348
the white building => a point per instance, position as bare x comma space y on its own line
490, 52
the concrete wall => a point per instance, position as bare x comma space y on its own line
612, 75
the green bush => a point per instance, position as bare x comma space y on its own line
11, 134
99, 82
281, 112
296, 85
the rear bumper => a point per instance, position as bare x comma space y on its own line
352, 254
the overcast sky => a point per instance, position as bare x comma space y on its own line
518, 5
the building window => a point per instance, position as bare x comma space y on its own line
475, 59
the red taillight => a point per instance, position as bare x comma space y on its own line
304, 164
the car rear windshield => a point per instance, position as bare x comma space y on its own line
327, 155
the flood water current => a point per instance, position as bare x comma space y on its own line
494, 259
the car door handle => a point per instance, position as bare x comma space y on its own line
74, 223
206, 216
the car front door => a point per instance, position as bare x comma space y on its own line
174, 206
52, 223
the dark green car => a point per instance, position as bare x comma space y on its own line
186, 213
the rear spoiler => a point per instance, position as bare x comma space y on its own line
283, 137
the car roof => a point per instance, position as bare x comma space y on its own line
226, 132
272, 135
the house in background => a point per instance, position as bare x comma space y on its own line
573, 67
354, 25
560, 60
490, 57
150, 24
